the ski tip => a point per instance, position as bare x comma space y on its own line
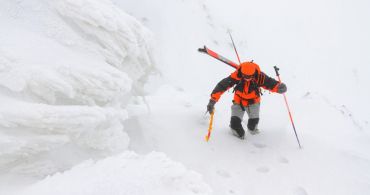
202, 50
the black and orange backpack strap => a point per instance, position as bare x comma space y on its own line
267, 82
236, 75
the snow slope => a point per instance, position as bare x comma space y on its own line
75, 69
323, 59
332, 161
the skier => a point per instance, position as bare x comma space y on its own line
248, 79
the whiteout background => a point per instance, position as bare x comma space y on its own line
108, 97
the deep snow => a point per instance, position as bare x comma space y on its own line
73, 76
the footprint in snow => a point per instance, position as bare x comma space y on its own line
299, 191
283, 160
259, 145
253, 152
223, 173
179, 89
263, 169
187, 104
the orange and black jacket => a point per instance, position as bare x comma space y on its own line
245, 92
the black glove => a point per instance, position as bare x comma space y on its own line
282, 88
211, 106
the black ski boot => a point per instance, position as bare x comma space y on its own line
236, 127
252, 126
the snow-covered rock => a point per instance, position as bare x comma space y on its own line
68, 70
123, 40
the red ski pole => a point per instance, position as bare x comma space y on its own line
286, 103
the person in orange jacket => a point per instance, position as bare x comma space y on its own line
247, 79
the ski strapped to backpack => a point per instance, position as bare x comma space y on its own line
236, 51
218, 57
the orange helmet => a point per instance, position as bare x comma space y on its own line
249, 68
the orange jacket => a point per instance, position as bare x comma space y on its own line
245, 92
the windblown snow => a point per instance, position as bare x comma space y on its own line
108, 97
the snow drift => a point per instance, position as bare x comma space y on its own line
124, 174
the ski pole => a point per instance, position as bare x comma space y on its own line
210, 126
232, 40
286, 103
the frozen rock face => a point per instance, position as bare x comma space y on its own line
121, 39
66, 84
67, 70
